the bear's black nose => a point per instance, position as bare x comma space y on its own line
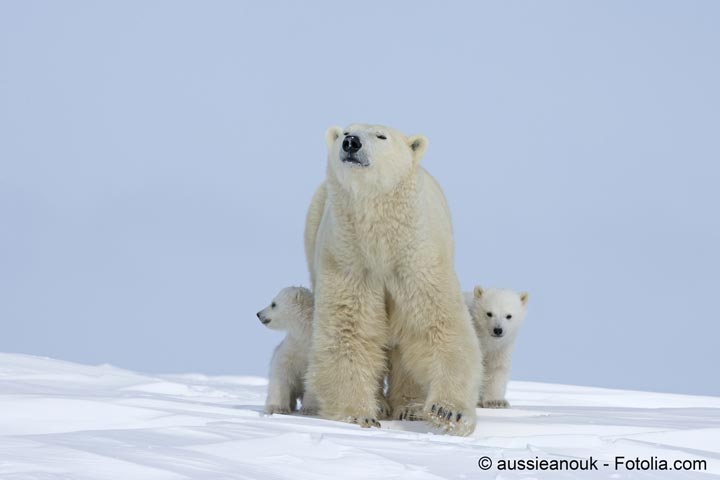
351, 144
497, 331
258, 315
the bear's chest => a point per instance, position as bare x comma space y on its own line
378, 234
381, 243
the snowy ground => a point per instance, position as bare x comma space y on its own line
69, 421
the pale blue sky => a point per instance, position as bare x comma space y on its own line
157, 158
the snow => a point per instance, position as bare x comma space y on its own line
64, 420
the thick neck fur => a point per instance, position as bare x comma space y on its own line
385, 221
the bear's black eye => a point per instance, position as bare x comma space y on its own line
346, 133
508, 316
381, 137
272, 305
489, 314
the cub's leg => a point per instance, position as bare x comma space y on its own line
497, 372
280, 397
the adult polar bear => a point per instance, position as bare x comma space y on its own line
379, 245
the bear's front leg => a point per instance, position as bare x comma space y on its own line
455, 375
440, 348
348, 358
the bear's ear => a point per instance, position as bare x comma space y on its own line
332, 134
524, 298
478, 291
418, 144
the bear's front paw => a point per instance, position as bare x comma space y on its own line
452, 420
409, 412
502, 403
270, 409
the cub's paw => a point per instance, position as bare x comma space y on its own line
270, 409
452, 420
409, 412
502, 403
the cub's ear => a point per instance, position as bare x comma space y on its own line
478, 291
303, 296
418, 144
524, 298
332, 134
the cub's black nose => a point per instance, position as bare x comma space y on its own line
258, 315
351, 144
497, 331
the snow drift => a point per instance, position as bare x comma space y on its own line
63, 420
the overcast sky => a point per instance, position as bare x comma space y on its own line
157, 159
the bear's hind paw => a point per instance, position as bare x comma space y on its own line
383, 410
309, 410
409, 413
502, 403
364, 422
270, 409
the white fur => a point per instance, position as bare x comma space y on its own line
497, 333
292, 311
380, 251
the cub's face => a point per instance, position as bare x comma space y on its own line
499, 312
372, 158
282, 311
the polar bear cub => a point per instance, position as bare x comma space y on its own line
292, 311
497, 315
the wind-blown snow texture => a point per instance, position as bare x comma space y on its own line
64, 420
